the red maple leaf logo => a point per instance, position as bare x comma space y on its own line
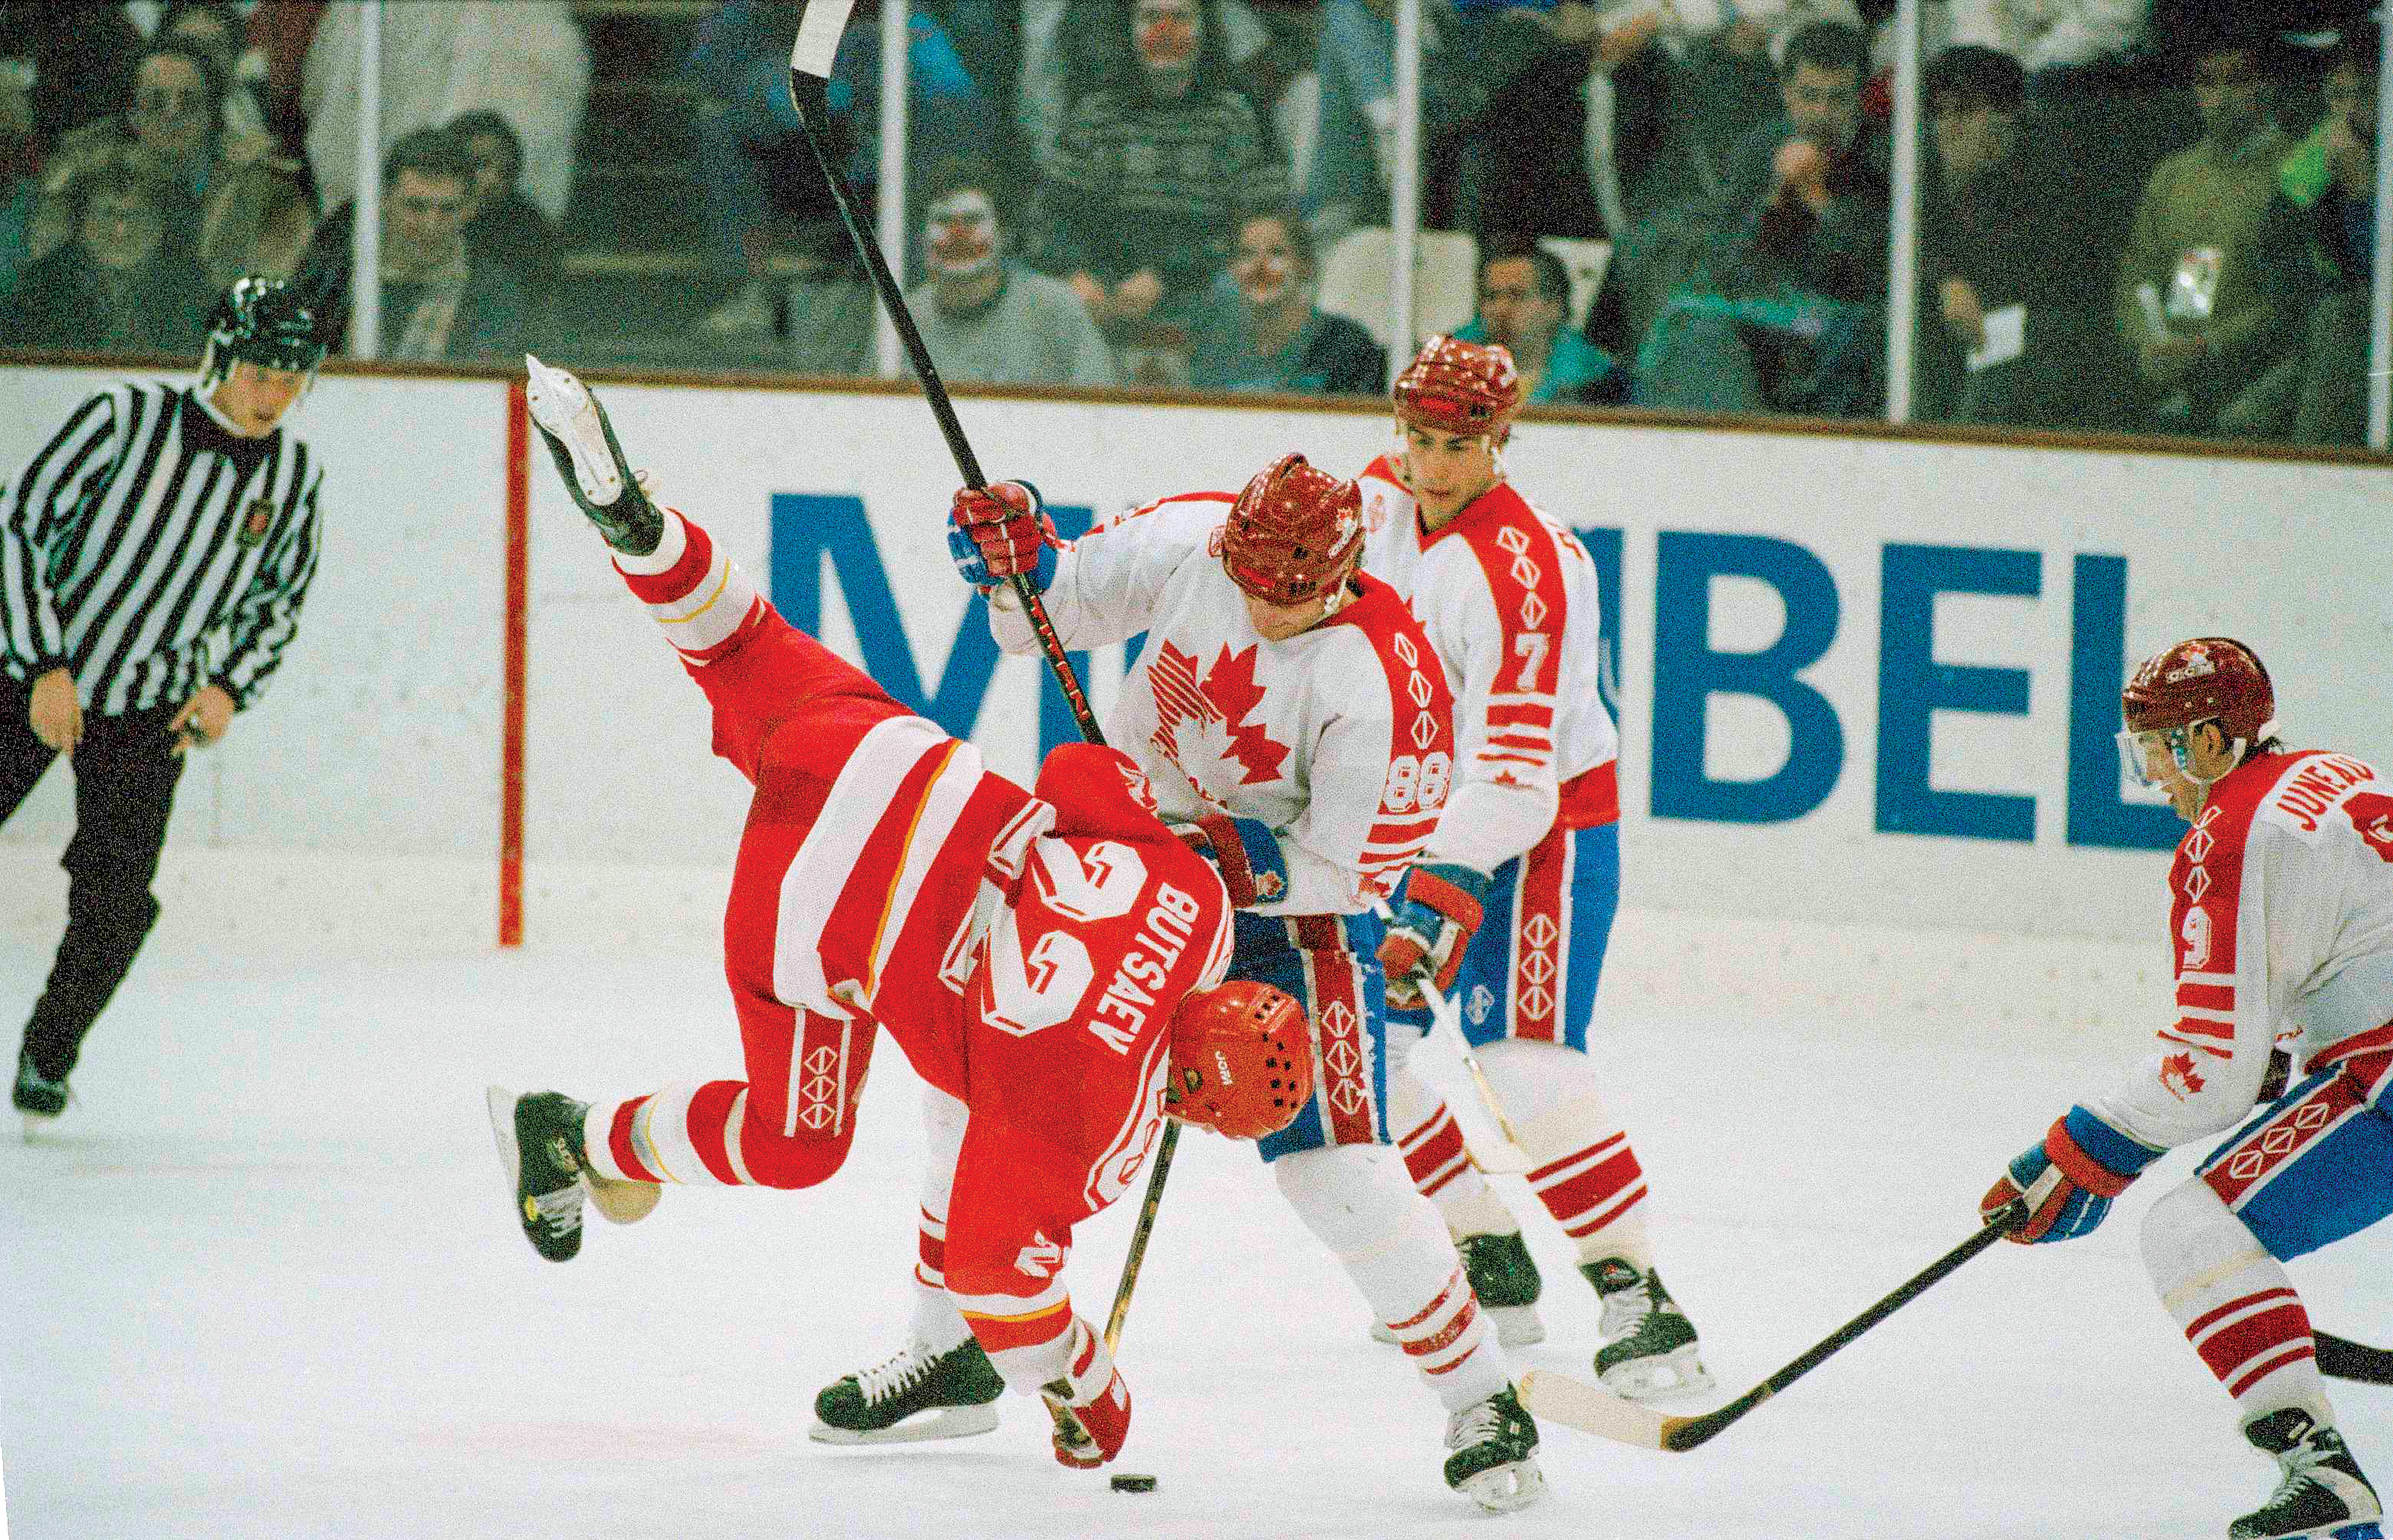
1217, 701
2178, 1075
1231, 689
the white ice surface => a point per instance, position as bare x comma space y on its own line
263, 1281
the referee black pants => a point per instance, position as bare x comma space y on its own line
125, 777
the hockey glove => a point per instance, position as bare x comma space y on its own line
1091, 1402
1245, 852
2069, 1179
998, 530
1436, 908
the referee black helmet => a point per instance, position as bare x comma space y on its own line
268, 321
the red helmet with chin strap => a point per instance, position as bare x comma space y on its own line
1293, 533
1240, 1064
2209, 678
1456, 387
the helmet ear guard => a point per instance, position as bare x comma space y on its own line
1241, 1063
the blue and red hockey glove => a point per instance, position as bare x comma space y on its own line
2069, 1179
1247, 853
1431, 919
998, 530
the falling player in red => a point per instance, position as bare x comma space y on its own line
1295, 723
1050, 963
1513, 899
2281, 925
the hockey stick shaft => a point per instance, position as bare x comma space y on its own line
2343, 1359
1592, 1409
1444, 1012
806, 95
1684, 1434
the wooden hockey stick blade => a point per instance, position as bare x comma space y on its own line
2343, 1359
1594, 1411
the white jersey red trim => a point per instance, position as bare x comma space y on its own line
1507, 596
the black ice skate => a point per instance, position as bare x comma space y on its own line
591, 464
37, 1096
1495, 1460
1649, 1345
917, 1394
539, 1136
1504, 1278
2322, 1493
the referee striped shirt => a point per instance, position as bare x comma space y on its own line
152, 552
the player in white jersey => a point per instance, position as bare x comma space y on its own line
2281, 924
1295, 723
1527, 857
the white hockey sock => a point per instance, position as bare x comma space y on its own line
687, 1134
936, 1321
2236, 1303
1580, 1165
1392, 1243
1434, 1156
700, 595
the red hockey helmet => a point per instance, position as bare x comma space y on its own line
1293, 533
1454, 387
2205, 679
1240, 1064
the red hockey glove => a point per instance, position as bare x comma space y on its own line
1091, 1402
1430, 922
998, 530
2068, 1179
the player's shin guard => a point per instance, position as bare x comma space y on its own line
2236, 1303
1495, 1257
1390, 1242
702, 598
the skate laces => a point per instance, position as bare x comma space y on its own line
1624, 1309
896, 1374
1474, 1424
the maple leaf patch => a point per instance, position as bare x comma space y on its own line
2178, 1075
1201, 717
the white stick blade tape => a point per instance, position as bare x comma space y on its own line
1590, 1410
820, 22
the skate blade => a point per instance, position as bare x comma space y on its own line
563, 407
501, 1102
1660, 1378
1504, 1488
37, 1123
621, 1202
948, 1422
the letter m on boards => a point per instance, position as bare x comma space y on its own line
817, 531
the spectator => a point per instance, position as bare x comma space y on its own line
759, 172
1523, 304
2189, 302
983, 315
1999, 233
215, 29
502, 225
1071, 47
438, 304
247, 210
1139, 213
1261, 330
82, 59
2317, 247
1780, 306
525, 59
118, 285
1676, 85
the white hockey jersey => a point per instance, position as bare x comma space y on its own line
1506, 595
2280, 919
1339, 739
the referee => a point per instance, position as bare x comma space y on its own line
154, 558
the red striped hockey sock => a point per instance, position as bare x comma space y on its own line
2236, 1303
1592, 1192
700, 597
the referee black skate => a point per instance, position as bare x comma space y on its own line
154, 558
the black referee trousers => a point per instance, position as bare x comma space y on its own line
125, 777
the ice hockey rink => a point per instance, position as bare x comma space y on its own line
264, 1280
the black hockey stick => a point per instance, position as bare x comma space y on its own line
820, 25
1592, 1410
2343, 1359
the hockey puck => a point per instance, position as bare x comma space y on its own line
1133, 1483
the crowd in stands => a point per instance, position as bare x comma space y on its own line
2148, 215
